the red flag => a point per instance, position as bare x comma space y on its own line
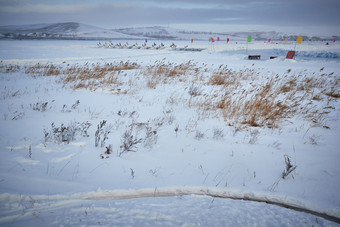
290, 54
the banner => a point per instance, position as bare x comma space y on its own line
299, 39
290, 55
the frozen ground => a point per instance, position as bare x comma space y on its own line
177, 123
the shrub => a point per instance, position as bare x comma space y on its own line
101, 134
66, 134
289, 167
129, 142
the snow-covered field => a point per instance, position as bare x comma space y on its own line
133, 137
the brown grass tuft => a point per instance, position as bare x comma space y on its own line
332, 93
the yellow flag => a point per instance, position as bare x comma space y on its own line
286, 40
299, 39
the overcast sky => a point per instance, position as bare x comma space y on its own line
309, 16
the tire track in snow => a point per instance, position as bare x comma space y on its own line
218, 193
285, 202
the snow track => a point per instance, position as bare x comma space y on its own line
286, 202
220, 193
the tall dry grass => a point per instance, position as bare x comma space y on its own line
162, 72
242, 100
240, 97
259, 107
9, 68
84, 76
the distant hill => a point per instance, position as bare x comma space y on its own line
158, 32
80, 31
69, 30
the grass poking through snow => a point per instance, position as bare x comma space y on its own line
241, 97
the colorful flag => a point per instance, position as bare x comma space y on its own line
209, 40
212, 39
249, 38
227, 40
218, 38
290, 55
192, 40
269, 40
299, 39
286, 40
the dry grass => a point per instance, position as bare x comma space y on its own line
241, 98
84, 76
44, 70
160, 68
9, 68
333, 93
220, 76
255, 108
162, 72
289, 86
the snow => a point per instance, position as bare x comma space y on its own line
77, 31
192, 165
70, 30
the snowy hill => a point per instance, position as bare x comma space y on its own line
69, 30
158, 32
72, 30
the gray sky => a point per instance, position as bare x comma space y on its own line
303, 16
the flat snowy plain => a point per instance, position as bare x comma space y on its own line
95, 136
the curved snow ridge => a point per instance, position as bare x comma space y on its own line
286, 202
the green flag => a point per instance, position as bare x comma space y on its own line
249, 38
